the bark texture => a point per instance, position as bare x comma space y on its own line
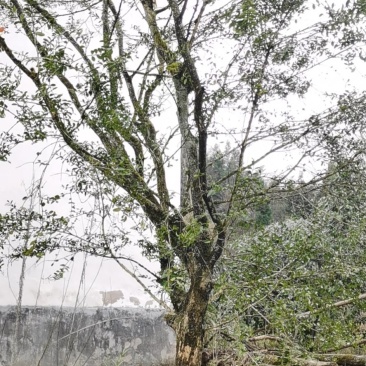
189, 323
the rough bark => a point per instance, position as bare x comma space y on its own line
188, 323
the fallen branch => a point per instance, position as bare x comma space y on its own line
277, 360
344, 359
334, 305
265, 338
347, 345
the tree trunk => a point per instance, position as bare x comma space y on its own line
189, 322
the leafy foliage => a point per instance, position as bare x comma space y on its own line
288, 280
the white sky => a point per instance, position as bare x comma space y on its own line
103, 275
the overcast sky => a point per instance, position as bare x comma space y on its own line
101, 275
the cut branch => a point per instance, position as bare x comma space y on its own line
334, 305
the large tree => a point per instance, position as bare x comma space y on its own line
104, 73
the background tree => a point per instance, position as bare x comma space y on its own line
101, 85
253, 208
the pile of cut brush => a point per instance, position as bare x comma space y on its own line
261, 352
